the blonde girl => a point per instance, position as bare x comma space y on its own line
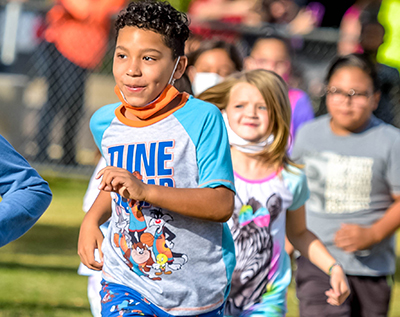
271, 192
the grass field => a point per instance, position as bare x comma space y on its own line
38, 271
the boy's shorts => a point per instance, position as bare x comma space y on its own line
118, 300
370, 295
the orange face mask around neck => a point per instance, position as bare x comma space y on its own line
168, 94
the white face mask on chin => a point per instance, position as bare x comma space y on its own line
203, 81
243, 145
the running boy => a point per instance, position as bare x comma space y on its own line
167, 251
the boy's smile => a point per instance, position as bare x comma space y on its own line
143, 65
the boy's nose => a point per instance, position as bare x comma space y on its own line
133, 70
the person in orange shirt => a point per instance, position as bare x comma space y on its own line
76, 40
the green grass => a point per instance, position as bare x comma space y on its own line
38, 272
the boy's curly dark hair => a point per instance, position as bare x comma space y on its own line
159, 17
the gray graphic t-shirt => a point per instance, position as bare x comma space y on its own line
181, 264
351, 180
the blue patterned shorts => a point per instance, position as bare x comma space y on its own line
118, 300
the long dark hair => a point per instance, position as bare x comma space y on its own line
360, 61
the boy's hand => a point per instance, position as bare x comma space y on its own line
90, 238
352, 238
340, 288
123, 182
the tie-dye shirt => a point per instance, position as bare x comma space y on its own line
262, 273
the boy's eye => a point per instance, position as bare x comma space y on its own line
148, 58
239, 106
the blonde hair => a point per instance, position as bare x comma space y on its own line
275, 94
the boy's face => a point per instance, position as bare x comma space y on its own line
350, 114
143, 65
269, 54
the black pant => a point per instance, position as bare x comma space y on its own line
370, 295
66, 88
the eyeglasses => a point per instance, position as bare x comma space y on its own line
355, 98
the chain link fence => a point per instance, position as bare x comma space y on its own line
46, 101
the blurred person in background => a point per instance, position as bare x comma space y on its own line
298, 16
211, 63
368, 35
76, 38
222, 19
371, 38
352, 166
350, 26
24, 194
273, 53
231, 11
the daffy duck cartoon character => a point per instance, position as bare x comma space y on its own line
163, 244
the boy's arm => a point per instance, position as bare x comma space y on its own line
213, 204
25, 195
352, 237
90, 236
313, 249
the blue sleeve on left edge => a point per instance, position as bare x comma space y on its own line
25, 195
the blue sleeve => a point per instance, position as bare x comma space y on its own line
25, 195
296, 182
100, 121
302, 113
205, 126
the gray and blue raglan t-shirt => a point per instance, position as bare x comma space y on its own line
181, 264
351, 180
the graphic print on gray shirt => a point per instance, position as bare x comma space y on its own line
351, 180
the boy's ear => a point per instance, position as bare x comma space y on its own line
181, 67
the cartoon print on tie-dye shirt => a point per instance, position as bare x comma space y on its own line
254, 248
146, 245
